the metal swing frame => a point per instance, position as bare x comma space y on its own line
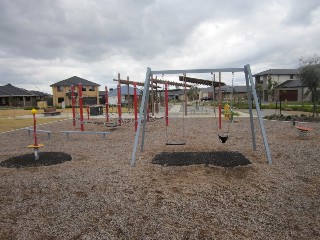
249, 82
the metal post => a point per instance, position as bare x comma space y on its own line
253, 135
73, 103
135, 103
146, 104
142, 107
107, 103
119, 100
152, 98
166, 104
128, 96
185, 96
219, 105
81, 107
35, 130
263, 132
88, 113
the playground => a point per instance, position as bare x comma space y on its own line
97, 194
89, 180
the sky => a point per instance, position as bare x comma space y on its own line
46, 41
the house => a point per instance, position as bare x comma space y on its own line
61, 91
238, 93
265, 81
16, 97
291, 90
113, 95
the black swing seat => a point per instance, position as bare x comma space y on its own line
223, 137
175, 142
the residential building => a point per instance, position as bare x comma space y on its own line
61, 91
125, 95
291, 90
12, 96
267, 80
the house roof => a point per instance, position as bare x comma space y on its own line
291, 84
278, 72
38, 93
74, 81
9, 90
124, 91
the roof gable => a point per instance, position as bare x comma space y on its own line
74, 81
291, 84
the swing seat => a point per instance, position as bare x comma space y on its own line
177, 142
223, 138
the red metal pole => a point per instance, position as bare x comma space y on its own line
166, 103
135, 103
107, 104
81, 107
88, 113
35, 130
73, 103
119, 99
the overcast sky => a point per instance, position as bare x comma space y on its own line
45, 41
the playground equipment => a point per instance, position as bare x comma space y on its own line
249, 81
303, 131
35, 145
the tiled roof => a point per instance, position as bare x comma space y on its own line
74, 81
278, 72
291, 84
38, 93
9, 90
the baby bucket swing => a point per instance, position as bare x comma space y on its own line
224, 134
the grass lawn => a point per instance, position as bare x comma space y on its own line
9, 120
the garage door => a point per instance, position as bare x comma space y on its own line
289, 95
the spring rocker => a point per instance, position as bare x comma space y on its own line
36, 145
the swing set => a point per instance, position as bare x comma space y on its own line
222, 136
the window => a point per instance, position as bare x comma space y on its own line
91, 88
28, 99
84, 88
60, 88
60, 99
291, 76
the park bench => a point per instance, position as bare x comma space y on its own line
51, 112
42, 131
303, 131
84, 132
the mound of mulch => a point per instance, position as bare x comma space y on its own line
45, 159
221, 159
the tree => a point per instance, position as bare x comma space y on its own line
193, 93
309, 71
271, 85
